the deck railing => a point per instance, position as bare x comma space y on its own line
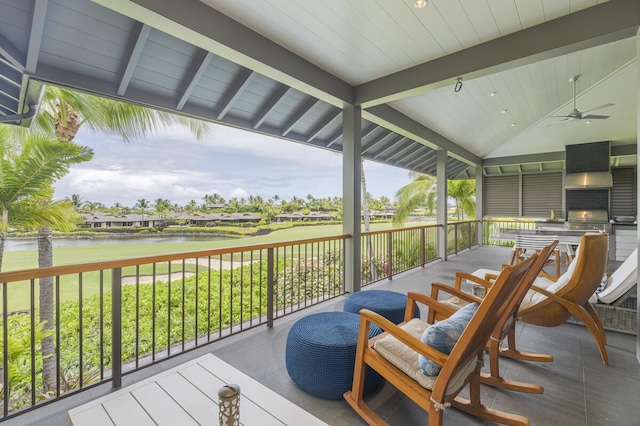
461, 235
493, 229
114, 317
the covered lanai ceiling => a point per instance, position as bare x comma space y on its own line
287, 67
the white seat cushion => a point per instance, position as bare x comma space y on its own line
403, 357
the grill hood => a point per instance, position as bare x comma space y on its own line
588, 180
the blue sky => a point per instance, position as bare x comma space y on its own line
230, 162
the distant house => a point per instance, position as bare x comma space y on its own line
299, 216
101, 220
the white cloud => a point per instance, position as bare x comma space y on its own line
238, 193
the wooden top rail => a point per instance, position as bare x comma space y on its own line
435, 225
35, 273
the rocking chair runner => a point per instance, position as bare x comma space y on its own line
506, 325
459, 368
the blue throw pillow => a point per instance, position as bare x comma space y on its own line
443, 336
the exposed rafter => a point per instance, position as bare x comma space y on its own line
234, 92
35, 36
302, 113
382, 139
140, 36
392, 147
201, 25
328, 119
410, 146
333, 139
11, 53
197, 70
271, 104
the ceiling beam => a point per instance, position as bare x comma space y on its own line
394, 146
410, 146
329, 119
235, 91
272, 103
35, 36
524, 159
382, 139
334, 138
308, 106
607, 22
13, 56
203, 26
197, 70
395, 121
140, 36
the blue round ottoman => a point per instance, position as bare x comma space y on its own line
389, 304
321, 351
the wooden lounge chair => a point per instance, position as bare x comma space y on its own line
461, 367
506, 325
553, 303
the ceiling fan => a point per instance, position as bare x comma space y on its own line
581, 115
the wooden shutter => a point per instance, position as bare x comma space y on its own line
542, 193
501, 194
623, 193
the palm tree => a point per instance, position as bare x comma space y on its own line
76, 201
142, 206
420, 192
464, 193
28, 168
162, 206
63, 112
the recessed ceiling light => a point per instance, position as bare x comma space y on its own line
493, 93
588, 121
513, 124
419, 4
504, 111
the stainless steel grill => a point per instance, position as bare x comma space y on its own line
588, 220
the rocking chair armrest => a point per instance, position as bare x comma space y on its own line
436, 287
369, 317
429, 302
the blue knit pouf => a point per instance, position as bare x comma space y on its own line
389, 304
321, 351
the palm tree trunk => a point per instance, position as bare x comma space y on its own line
45, 259
367, 221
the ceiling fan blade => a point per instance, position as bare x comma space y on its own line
595, 117
585, 113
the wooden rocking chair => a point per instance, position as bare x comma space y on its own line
506, 325
459, 368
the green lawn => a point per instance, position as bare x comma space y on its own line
25, 259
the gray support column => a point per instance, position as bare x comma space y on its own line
442, 203
351, 194
638, 181
480, 202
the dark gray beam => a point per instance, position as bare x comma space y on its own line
197, 70
607, 22
619, 150
9, 74
203, 26
394, 120
271, 104
330, 118
14, 56
234, 92
138, 40
369, 132
35, 37
419, 159
9, 91
308, 106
